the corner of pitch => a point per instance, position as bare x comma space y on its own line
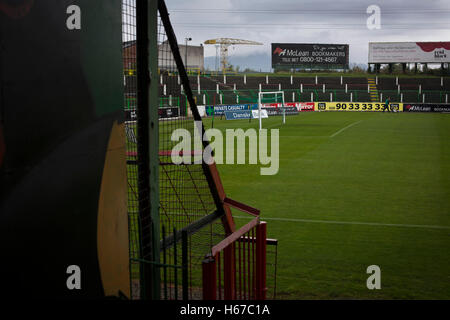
187, 150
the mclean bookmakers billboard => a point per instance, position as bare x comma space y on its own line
293, 55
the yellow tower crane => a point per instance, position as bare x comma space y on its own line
225, 43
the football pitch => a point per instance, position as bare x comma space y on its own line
354, 190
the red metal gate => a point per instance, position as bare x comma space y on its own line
236, 267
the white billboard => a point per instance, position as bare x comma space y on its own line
397, 52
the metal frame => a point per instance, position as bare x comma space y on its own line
147, 131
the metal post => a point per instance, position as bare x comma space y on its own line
164, 262
261, 233
209, 278
259, 109
184, 264
229, 273
148, 136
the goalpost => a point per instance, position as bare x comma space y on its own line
270, 97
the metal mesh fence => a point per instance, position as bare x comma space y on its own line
185, 195
184, 192
130, 103
189, 198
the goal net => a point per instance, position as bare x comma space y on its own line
271, 100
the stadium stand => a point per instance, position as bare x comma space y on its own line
446, 84
386, 84
233, 89
355, 80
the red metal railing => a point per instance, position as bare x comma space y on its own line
236, 267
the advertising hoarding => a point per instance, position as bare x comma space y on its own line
404, 52
292, 55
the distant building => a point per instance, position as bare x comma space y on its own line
129, 56
195, 56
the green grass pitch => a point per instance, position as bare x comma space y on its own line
375, 193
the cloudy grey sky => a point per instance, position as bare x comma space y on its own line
308, 21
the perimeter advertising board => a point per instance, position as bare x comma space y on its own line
426, 107
220, 110
279, 111
238, 114
300, 106
351, 106
292, 55
403, 52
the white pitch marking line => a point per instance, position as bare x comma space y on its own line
424, 226
350, 125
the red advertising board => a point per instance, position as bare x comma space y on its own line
301, 106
